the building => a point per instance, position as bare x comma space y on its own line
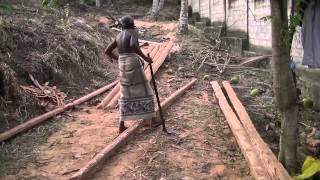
244, 20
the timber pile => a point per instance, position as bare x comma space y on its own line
158, 53
262, 162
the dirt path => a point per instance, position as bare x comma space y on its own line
202, 148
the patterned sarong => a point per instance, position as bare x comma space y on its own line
137, 98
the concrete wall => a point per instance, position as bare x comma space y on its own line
237, 18
205, 8
259, 30
309, 83
217, 15
242, 19
195, 5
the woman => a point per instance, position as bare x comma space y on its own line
137, 98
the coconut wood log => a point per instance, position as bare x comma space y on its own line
37, 120
271, 163
256, 167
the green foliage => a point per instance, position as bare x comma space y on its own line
59, 3
5, 8
50, 3
310, 167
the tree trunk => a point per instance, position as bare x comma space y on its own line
155, 9
161, 4
284, 89
98, 3
183, 22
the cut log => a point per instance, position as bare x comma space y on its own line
110, 149
256, 167
37, 120
271, 163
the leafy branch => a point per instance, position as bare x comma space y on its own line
5, 8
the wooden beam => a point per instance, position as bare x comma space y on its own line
37, 120
256, 168
273, 166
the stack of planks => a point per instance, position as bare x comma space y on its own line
158, 53
261, 160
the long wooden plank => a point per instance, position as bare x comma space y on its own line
37, 120
274, 167
110, 149
256, 168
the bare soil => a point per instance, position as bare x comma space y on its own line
202, 147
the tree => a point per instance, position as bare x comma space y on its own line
157, 5
283, 84
155, 9
161, 4
98, 3
183, 22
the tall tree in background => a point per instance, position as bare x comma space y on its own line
183, 22
161, 4
98, 3
155, 9
284, 88
157, 5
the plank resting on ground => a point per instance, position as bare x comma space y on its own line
256, 167
274, 167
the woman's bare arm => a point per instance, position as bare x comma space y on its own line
110, 48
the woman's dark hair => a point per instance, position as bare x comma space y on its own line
127, 22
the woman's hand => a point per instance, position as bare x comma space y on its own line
148, 59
